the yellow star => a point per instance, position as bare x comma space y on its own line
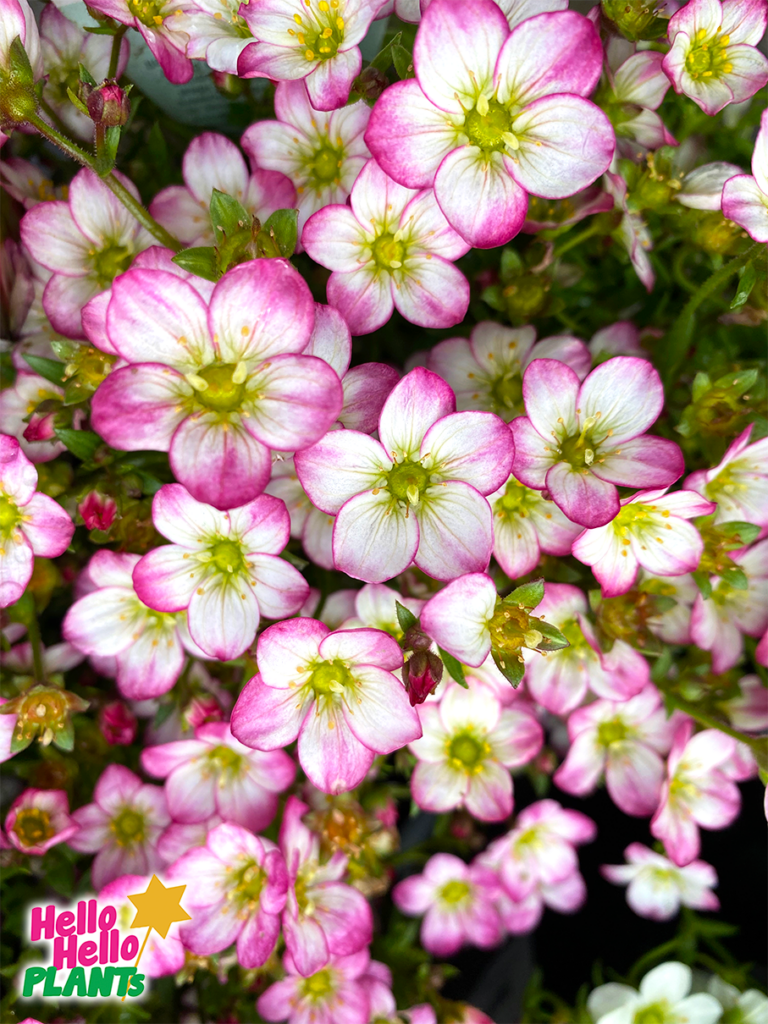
159, 907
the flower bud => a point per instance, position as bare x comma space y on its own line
635, 19
421, 674
45, 712
17, 80
98, 511
108, 105
40, 427
118, 724
229, 85
370, 83
203, 709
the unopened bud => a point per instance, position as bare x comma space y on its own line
421, 674
40, 427
201, 710
108, 105
98, 511
229, 85
370, 83
118, 724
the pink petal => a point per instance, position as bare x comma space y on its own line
381, 717
419, 400
437, 787
479, 197
223, 619
299, 398
489, 793
47, 527
286, 648
550, 390
333, 758
363, 297
476, 447
139, 407
455, 531
582, 496
329, 84
432, 292
266, 718
456, 617
373, 538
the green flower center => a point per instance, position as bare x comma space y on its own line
33, 826
454, 892
227, 556
388, 252
725, 484
110, 261
467, 752
578, 450
407, 481
572, 632
707, 58
10, 516
128, 827
611, 732
221, 386
326, 164
147, 12
322, 33
318, 986
248, 881
513, 628
330, 677
226, 760
515, 501
491, 130
656, 1013
507, 394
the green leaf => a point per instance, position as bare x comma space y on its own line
747, 279
553, 640
50, 369
737, 383
383, 58
199, 260
150, 485
77, 102
163, 713
403, 62
228, 216
295, 560
405, 617
701, 385
493, 297
528, 595
86, 76
453, 667
744, 533
510, 666
760, 750
82, 443
735, 577
283, 229
701, 579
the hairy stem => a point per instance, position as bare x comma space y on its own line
114, 56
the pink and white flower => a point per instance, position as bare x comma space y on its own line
702, 189
7, 729
522, 916
468, 745
216, 384
236, 891
122, 826
335, 691
323, 918
417, 495
30, 523
217, 33
598, 429
161, 956
663, 992
745, 196
456, 900
749, 711
39, 819
322, 153
673, 626
631, 92
211, 162
221, 567
619, 339
657, 888
18, 406
625, 740
632, 232
717, 623
314, 41
697, 793
713, 57
390, 248
486, 371
494, 115
337, 992
739, 483
525, 526
161, 25
215, 774
649, 531
111, 621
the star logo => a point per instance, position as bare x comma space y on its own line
158, 907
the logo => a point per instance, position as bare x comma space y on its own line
91, 957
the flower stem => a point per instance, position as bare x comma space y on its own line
707, 720
33, 632
114, 56
129, 201
582, 236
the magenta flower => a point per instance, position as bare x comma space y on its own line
492, 116
657, 888
335, 691
456, 900
38, 820
216, 774
624, 739
323, 918
30, 523
85, 242
211, 162
122, 826
714, 57
468, 745
321, 153
579, 441
221, 567
697, 793
118, 724
745, 196
161, 956
417, 495
236, 889
650, 531
315, 42
486, 371
522, 916
739, 483
111, 621
390, 248
161, 25
337, 994
216, 384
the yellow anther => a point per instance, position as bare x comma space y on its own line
309, 54
510, 140
240, 373
482, 105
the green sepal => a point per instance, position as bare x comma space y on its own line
553, 640
50, 369
82, 443
747, 279
199, 260
701, 579
701, 385
744, 533
453, 667
735, 577
510, 667
281, 232
759, 748
228, 216
19, 741
405, 617
77, 102
737, 383
64, 736
295, 560
403, 62
528, 594
492, 296
18, 63
163, 713
86, 76
384, 57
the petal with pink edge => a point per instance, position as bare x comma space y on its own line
329, 84
437, 787
140, 407
343, 464
183, 519
286, 648
382, 719
333, 758
266, 718
476, 447
415, 404
431, 292
456, 617
624, 395
642, 462
479, 198
224, 617
363, 297
47, 527
550, 391
582, 496
489, 793
746, 204
373, 538
456, 531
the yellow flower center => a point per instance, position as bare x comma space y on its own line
708, 57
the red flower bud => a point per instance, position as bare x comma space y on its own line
40, 427
421, 674
203, 709
97, 510
108, 104
117, 723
